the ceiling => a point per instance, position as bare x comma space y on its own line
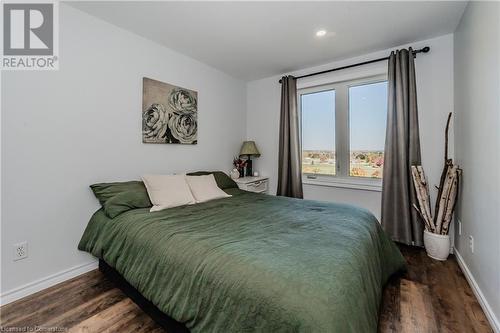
252, 40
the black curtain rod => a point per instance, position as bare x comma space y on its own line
422, 50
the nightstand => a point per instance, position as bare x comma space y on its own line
253, 184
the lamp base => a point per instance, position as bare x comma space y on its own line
248, 168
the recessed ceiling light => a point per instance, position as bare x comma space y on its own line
320, 33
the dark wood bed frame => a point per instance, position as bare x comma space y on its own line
165, 321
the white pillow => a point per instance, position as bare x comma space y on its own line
167, 191
204, 188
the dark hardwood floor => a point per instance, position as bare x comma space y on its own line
431, 297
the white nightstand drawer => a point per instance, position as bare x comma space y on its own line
259, 186
253, 184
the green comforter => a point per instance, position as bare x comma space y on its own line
253, 263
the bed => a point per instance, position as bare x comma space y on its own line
252, 263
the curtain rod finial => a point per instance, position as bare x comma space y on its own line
426, 49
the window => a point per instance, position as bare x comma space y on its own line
367, 121
318, 132
343, 131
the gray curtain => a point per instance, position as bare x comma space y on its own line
402, 150
290, 160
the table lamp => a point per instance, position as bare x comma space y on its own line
249, 149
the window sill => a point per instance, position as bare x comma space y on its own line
355, 184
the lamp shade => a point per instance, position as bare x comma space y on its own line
249, 148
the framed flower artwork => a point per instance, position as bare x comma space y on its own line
169, 113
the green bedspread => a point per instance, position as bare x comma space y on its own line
253, 263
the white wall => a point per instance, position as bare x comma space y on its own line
435, 100
64, 130
477, 142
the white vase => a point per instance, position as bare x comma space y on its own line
437, 246
235, 174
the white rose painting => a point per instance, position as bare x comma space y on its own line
169, 113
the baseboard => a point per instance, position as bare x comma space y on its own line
494, 322
44, 283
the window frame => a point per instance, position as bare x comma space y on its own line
342, 177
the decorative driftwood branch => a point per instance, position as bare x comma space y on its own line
447, 193
452, 201
447, 189
446, 137
447, 163
423, 198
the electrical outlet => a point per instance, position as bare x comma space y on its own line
471, 243
20, 251
459, 227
